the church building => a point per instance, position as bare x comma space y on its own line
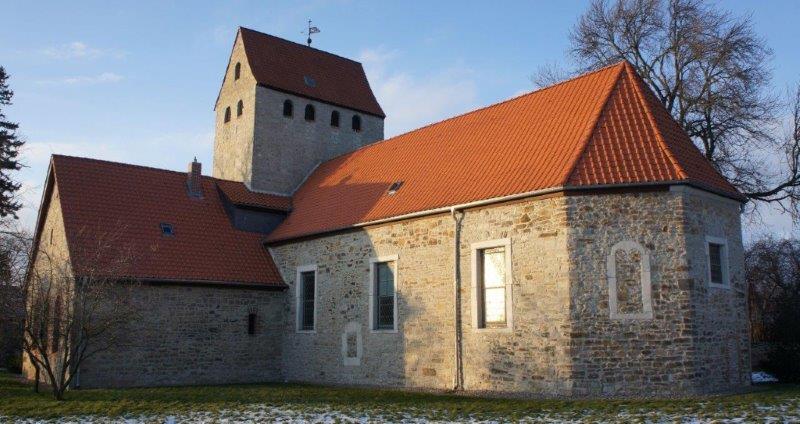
571, 241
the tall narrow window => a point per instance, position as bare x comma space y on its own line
384, 296
237, 71
288, 108
309, 115
239, 108
356, 123
251, 323
227, 114
717, 251
493, 287
307, 289
335, 119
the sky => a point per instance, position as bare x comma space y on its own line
136, 81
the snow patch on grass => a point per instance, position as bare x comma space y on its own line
780, 413
763, 377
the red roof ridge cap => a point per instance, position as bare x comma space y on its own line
650, 118
294, 42
480, 109
584, 143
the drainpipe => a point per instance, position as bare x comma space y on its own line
458, 377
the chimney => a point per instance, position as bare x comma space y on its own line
194, 182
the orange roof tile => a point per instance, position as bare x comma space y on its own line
604, 127
239, 194
284, 65
127, 203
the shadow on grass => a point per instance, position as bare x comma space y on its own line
18, 400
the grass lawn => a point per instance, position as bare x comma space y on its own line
288, 402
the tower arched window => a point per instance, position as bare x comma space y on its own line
227, 114
239, 108
356, 124
335, 119
237, 71
309, 115
287, 108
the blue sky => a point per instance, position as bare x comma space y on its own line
136, 81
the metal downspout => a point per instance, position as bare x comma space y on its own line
458, 377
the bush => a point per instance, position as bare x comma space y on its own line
784, 360
14, 364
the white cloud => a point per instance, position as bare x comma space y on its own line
81, 50
104, 78
411, 101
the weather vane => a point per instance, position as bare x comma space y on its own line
311, 30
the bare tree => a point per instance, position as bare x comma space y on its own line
711, 71
773, 273
77, 305
14, 248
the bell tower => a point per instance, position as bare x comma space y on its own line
284, 107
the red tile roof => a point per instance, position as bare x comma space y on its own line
284, 65
239, 194
601, 128
130, 202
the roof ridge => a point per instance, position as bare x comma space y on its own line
584, 144
662, 142
480, 109
298, 44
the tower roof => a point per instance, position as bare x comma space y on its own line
602, 128
298, 69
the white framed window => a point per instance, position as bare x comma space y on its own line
306, 298
383, 294
717, 262
491, 285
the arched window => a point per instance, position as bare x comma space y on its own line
237, 71
309, 113
239, 108
356, 123
287, 108
335, 119
227, 114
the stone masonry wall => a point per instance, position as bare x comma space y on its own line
233, 141
286, 149
53, 245
562, 339
722, 324
193, 335
671, 351
530, 358
268, 151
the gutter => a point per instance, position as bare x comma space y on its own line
458, 366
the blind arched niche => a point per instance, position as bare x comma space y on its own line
629, 289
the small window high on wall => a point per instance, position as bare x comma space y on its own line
288, 108
239, 108
335, 119
227, 114
251, 323
356, 123
309, 114
237, 71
